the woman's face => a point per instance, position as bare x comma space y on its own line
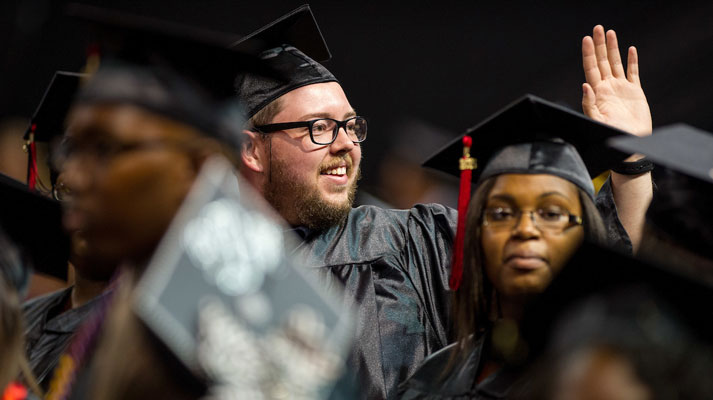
521, 258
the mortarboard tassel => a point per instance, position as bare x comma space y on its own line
32, 155
466, 164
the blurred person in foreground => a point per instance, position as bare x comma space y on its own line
137, 134
612, 327
52, 319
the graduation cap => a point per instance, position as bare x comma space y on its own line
47, 122
228, 302
532, 135
602, 293
34, 224
680, 147
182, 72
529, 136
288, 47
680, 211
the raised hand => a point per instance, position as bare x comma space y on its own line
611, 95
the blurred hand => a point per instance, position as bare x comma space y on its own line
612, 96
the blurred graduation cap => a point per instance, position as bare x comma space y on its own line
533, 135
680, 213
290, 47
47, 123
182, 72
642, 292
223, 296
34, 224
680, 147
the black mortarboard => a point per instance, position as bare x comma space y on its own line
182, 72
222, 294
48, 120
532, 135
680, 211
598, 272
680, 147
288, 48
34, 224
47, 123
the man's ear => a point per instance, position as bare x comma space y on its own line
252, 151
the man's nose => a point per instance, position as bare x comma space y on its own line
342, 143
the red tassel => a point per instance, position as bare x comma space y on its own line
467, 165
32, 173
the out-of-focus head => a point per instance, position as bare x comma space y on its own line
610, 326
160, 103
129, 171
302, 147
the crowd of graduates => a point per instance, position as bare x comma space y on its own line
202, 189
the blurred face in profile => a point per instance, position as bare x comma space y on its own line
527, 236
129, 171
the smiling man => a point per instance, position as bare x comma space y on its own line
302, 151
324, 167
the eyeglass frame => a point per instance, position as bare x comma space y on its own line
281, 126
61, 192
573, 220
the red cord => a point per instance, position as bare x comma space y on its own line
466, 166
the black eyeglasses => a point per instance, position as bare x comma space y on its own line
321, 129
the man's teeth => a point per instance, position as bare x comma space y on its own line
336, 171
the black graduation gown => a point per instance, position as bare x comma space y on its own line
459, 383
394, 267
49, 330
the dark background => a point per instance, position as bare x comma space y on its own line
448, 63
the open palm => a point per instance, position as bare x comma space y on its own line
611, 95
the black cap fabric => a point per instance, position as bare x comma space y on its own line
288, 48
535, 136
34, 224
680, 147
225, 298
47, 122
680, 211
598, 272
182, 72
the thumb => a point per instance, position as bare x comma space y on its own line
589, 102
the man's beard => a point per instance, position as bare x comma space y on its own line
290, 196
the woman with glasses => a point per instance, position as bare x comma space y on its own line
534, 205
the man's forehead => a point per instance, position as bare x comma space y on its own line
320, 100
